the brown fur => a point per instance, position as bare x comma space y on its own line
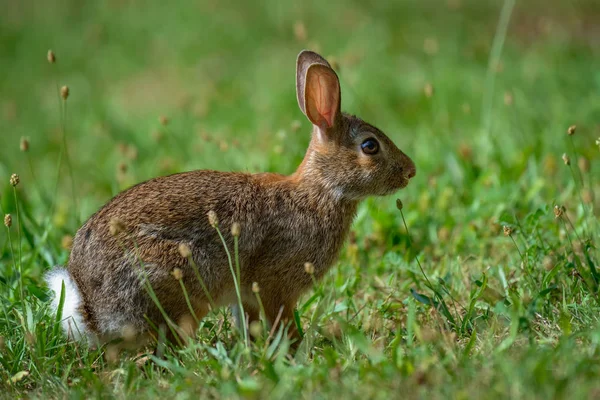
285, 222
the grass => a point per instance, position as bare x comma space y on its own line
444, 304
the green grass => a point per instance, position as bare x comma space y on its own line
488, 315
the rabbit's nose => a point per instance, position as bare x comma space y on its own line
411, 170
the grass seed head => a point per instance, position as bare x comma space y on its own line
333, 62
550, 165
465, 151
132, 152
548, 262
428, 90
30, 338
206, 137
558, 211
177, 274
431, 46
296, 125
116, 226
255, 329
255, 287
309, 268
236, 229
67, 242
64, 92
156, 136
333, 330
584, 164
8, 220
566, 159
212, 219
399, 204
508, 231
571, 130
14, 180
122, 167
444, 233
51, 57
300, 31
24, 145
185, 250
587, 196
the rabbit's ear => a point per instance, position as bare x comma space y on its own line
318, 89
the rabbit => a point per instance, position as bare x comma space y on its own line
128, 255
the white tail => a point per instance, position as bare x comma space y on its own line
71, 319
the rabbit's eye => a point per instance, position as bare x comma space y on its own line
370, 146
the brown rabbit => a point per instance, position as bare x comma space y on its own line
134, 241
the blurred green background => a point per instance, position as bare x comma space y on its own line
223, 74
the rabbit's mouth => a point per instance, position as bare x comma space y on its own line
404, 182
405, 176
401, 184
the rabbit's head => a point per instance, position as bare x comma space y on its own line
347, 156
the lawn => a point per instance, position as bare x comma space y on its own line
484, 285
